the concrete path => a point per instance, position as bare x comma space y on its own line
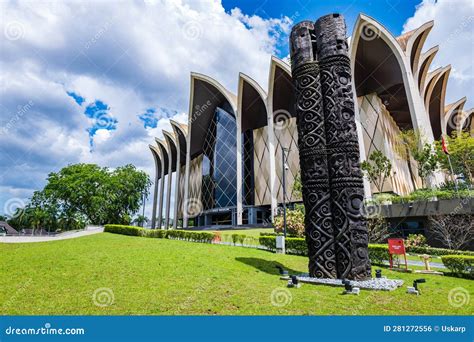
62, 236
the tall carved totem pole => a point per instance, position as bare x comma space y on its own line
333, 193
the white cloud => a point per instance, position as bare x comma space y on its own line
130, 55
452, 31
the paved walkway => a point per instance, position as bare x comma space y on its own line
62, 236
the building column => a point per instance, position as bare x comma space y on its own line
271, 156
238, 122
155, 191
176, 189
168, 194
186, 178
160, 202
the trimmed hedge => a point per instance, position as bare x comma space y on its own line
205, 237
298, 246
124, 230
437, 251
459, 264
455, 260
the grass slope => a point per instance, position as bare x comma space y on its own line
157, 276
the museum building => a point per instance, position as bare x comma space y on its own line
236, 160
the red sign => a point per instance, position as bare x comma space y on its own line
396, 246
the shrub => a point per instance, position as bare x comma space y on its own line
268, 241
298, 246
124, 230
294, 223
238, 238
156, 233
378, 253
415, 240
435, 251
459, 264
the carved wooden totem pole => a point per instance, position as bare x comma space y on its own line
333, 192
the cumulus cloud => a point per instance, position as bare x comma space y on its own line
452, 31
59, 58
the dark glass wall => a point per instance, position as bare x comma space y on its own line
247, 168
219, 163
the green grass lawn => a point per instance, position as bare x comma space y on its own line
159, 276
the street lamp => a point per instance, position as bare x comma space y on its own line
285, 167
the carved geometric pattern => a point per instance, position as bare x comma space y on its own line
345, 175
314, 172
329, 150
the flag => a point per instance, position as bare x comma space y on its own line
443, 146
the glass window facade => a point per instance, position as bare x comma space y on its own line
219, 181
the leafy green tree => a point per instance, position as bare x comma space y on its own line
377, 168
427, 161
85, 193
140, 220
461, 152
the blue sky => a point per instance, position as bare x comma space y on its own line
96, 82
392, 14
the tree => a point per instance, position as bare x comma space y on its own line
377, 168
85, 193
406, 146
461, 151
378, 229
140, 220
454, 231
427, 160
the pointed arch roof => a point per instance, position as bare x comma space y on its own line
377, 60
453, 115
434, 100
281, 95
206, 95
412, 43
171, 148
164, 154
251, 104
425, 63
157, 158
181, 134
